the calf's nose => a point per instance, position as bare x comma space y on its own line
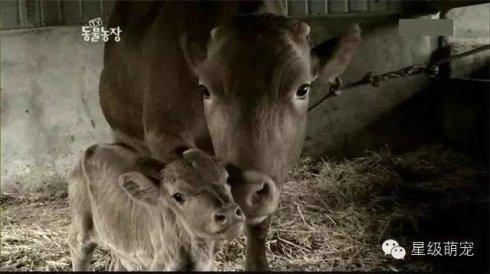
229, 216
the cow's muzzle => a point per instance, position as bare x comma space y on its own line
256, 193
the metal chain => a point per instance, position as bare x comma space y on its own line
430, 69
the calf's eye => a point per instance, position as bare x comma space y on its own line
179, 198
205, 91
303, 91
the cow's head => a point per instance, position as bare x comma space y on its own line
194, 187
255, 77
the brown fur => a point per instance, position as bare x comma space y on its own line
124, 202
252, 65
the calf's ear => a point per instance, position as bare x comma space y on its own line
140, 187
330, 58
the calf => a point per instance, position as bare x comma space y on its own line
151, 216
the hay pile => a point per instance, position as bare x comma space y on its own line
33, 233
334, 215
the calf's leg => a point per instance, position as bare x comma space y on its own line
80, 236
81, 248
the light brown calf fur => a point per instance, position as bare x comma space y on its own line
151, 217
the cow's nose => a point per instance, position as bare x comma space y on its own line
256, 193
229, 216
262, 192
262, 188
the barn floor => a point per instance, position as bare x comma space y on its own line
334, 216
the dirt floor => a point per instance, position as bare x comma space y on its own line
334, 216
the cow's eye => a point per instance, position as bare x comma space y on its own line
205, 91
179, 198
303, 91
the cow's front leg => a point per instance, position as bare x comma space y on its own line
256, 257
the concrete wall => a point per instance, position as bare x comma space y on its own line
367, 117
50, 108
338, 126
472, 29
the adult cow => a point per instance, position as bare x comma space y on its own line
224, 77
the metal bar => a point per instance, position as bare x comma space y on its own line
60, 18
317, 7
338, 6
22, 13
461, 55
357, 5
102, 11
81, 10
377, 5
298, 8
395, 5
40, 12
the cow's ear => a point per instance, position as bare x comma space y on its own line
330, 58
193, 52
140, 187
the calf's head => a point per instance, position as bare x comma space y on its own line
194, 187
255, 76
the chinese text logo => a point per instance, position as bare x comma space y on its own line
448, 248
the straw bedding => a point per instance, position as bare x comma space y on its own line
334, 215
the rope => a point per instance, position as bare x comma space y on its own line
430, 69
